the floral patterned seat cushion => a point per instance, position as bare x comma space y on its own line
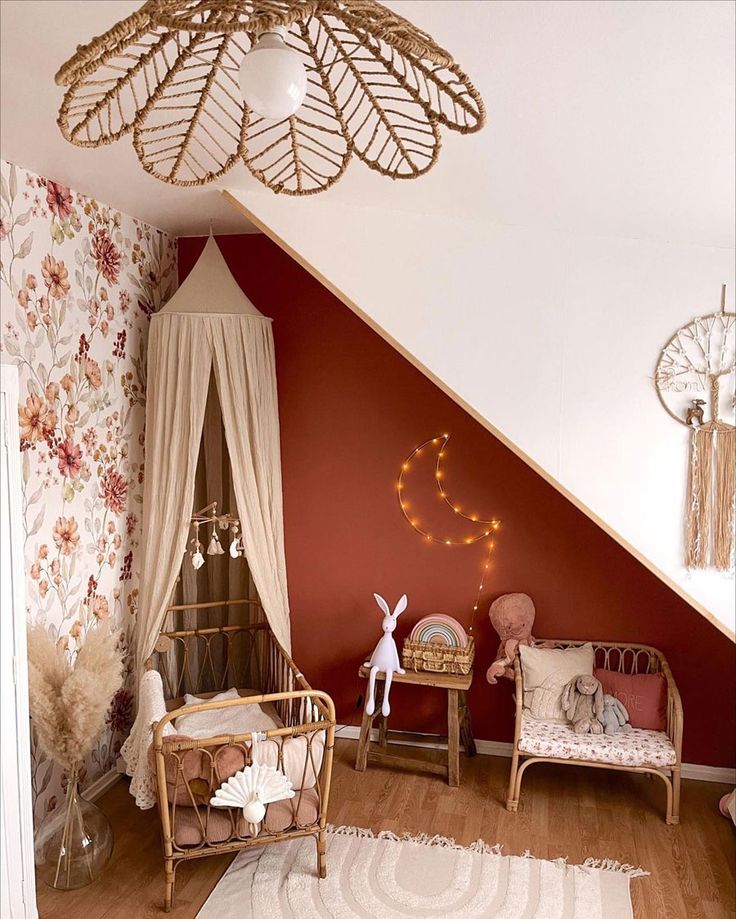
637, 748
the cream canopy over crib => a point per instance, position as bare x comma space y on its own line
209, 325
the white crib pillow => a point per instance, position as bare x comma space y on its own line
236, 719
231, 693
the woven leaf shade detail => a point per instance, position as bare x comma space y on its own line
377, 87
253, 16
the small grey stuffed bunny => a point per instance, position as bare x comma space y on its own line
615, 718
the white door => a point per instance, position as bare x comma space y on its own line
17, 883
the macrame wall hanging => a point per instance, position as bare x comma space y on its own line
366, 81
695, 379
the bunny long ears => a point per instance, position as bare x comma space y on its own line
567, 694
400, 606
382, 603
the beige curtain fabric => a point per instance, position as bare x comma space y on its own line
176, 398
245, 371
180, 357
184, 347
178, 371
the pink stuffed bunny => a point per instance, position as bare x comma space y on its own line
512, 616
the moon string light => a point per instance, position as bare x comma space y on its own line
489, 524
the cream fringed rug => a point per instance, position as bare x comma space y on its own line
387, 877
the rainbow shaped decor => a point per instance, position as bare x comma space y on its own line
437, 628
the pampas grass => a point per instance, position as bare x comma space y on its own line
68, 708
69, 703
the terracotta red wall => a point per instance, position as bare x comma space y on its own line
351, 409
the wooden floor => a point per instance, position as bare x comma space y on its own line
570, 811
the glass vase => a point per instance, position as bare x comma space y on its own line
74, 843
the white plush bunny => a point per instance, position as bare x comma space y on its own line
385, 656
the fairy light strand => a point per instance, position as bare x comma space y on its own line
491, 523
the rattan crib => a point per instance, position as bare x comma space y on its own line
204, 661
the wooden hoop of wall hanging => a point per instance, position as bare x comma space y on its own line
694, 362
378, 88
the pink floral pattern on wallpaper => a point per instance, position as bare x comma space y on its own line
79, 284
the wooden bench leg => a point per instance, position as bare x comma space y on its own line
383, 732
675, 796
453, 737
466, 728
364, 742
512, 799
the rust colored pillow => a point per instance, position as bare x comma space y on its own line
196, 770
643, 694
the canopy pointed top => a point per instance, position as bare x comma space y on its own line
210, 288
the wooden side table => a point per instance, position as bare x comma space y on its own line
458, 724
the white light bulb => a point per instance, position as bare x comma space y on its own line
272, 77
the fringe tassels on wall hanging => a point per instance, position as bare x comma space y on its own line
701, 358
710, 496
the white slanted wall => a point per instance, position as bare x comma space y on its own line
549, 337
539, 267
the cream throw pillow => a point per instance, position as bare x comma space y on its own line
546, 672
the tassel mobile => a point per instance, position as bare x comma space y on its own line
208, 516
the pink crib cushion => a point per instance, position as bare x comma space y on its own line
192, 826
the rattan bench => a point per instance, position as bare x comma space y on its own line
653, 752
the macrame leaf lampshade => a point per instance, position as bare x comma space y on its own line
378, 88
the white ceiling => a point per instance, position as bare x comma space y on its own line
606, 117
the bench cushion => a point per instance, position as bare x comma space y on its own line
637, 748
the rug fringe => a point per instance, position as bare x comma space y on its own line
422, 839
610, 864
481, 847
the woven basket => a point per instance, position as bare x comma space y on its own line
437, 658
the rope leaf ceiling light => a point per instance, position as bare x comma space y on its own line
376, 87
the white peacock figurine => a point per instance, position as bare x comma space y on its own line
252, 789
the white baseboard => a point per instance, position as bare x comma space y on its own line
709, 773
99, 786
694, 771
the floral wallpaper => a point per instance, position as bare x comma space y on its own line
79, 282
